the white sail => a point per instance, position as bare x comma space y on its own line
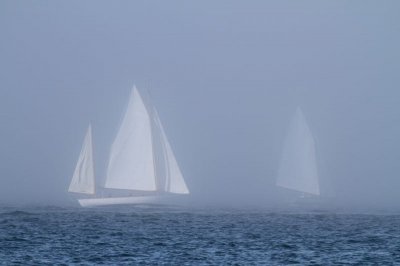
169, 174
298, 169
83, 178
131, 164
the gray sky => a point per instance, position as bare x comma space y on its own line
225, 77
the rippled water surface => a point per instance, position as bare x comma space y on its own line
173, 236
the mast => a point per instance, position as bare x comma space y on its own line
150, 109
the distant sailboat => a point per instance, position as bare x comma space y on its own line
298, 169
141, 165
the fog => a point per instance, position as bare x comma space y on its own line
226, 78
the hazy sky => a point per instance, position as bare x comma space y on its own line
225, 76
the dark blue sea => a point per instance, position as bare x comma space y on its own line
179, 236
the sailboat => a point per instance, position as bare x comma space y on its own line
142, 167
298, 168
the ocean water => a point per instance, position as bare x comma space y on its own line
179, 236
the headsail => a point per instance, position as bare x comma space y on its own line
169, 174
298, 169
131, 164
83, 178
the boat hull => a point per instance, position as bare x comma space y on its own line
120, 201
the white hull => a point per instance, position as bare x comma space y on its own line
120, 200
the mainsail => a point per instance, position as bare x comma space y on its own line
298, 168
83, 178
131, 164
141, 157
